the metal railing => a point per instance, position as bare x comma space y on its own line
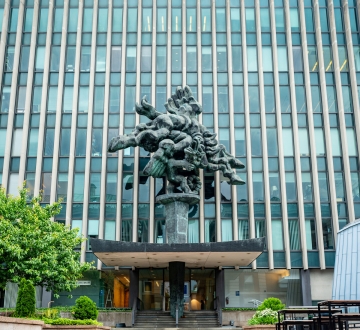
218, 308
136, 306
177, 314
255, 302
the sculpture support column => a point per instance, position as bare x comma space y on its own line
176, 215
176, 210
177, 278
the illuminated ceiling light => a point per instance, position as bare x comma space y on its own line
329, 66
148, 21
162, 23
315, 66
190, 25
176, 23
204, 26
342, 66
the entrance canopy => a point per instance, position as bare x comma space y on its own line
195, 255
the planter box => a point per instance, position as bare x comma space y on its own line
240, 318
14, 323
259, 327
75, 327
108, 319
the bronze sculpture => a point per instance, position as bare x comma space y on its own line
179, 143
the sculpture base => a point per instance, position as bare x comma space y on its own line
177, 279
176, 215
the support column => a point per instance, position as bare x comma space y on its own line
177, 278
305, 287
220, 286
134, 286
176, 210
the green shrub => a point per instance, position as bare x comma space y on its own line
274, 304
84, 309
25, 303
265, 316
64, 321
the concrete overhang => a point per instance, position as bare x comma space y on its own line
195, 255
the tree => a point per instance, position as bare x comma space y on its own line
34, 247
25, 304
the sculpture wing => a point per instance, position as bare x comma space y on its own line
156, 167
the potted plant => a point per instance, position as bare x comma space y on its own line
266, 315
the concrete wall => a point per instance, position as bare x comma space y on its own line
240, 318
321, 284
12, 323
92, 291
108, 319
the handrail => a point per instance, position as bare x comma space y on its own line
218, 308
176, 314
136, 306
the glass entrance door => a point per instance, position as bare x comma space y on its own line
151, 289
199, 289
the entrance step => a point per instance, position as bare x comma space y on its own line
163, 320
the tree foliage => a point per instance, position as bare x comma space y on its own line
84, 309
34, 247
25, 303
272, 303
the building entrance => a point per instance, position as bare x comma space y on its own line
199, 289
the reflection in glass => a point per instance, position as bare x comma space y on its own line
310, 234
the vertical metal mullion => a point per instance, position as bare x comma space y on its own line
137, 117
199, 97
74, 115
264, 139
235, 223
59, 102
313, 158
352, 72
4, 31
344, 145
296, 136
121, 126
247, 128
153, 98
29, 86
89, 132
3, 39
280, 138
44, 95
12, 103
329, 157
105, 128
168, 50
216, 119
184, 44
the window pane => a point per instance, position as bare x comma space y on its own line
161, 20
117, 20
176, 20
146, 58
220, 20
87, 20
277, 235
132, 23
191, 20
44, 12
100, 59
68, 99
103, 20
206, 20
52, 98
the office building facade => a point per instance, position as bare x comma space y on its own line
278, 83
